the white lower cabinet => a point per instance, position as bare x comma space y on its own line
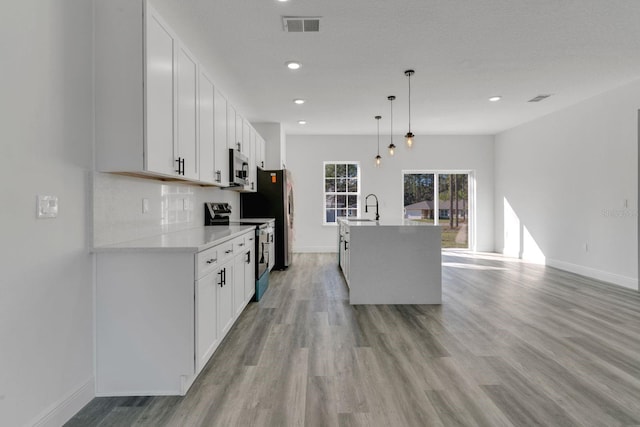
225, 290
206, 322
160, 315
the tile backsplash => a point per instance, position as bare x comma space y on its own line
118, 207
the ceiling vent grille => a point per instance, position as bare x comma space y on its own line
301, 24
539, 98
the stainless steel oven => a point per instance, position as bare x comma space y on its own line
264, 251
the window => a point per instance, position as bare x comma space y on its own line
341, 190
442, 198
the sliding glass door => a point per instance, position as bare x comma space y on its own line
440, 198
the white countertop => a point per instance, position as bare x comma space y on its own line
252, 220
385, 223
190, 240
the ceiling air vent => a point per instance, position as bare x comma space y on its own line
301, 24
539, 98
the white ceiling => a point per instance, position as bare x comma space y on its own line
463, 52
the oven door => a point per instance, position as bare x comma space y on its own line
262, 251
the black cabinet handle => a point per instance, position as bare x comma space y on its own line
180, 162
221, 280
218, 176
249, 257
346, 245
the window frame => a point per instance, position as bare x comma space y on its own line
347, 193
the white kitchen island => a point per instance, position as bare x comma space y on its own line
394, 262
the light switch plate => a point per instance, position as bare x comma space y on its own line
145, 206
47, 206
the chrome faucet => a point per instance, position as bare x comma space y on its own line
366, 206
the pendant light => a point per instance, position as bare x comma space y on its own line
378, 157
392, 146
409, 136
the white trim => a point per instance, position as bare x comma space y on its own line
316, 249
605, 276
60, 412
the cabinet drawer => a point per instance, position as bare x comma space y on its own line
240, 244
206, 261
225, 251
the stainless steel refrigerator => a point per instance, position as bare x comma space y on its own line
273, 199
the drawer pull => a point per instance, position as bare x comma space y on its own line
228, 251
211, 260
241, 244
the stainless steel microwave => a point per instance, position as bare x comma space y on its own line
238, 168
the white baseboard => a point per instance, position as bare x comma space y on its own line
605, 276
62, 411
316, 249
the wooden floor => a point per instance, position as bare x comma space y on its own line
512, 344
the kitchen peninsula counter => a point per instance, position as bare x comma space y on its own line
391, 262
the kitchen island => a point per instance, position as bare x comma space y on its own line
392, 262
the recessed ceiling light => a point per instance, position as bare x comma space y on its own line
495, 98
282, 1
299, 101
293, 65
302, 122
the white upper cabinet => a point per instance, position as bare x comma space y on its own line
221, 158
158, 111
207, 130
187, 143
160, 95
231, 127
260, 151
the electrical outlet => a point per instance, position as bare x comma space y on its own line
47, 207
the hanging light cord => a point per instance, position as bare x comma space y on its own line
409, 102
378, 120
391, 121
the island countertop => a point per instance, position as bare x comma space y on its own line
358, 222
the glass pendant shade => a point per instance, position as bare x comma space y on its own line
408, 138
392, 149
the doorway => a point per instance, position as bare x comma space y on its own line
441, 198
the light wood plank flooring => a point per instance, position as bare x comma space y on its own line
513, 344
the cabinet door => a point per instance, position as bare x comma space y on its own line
241, 130
206, 327
261, 150
253, 171
249, 272
231, 127
224, 288
238, 283
207, 131
161, 47
187, 114
221, 157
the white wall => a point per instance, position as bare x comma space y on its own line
46, 340
305, 156
565, 178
